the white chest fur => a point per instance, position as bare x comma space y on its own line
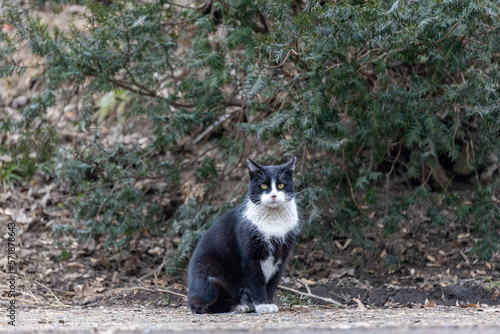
272, 221
269, 267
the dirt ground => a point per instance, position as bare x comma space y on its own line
300, 319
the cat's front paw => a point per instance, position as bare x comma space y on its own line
241, 308
266, 308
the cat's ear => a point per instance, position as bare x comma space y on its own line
289, 167
253, 168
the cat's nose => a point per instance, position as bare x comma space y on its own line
273, 197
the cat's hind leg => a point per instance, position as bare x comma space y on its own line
222, 302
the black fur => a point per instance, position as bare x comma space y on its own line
225, 269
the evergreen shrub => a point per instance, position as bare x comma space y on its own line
369, 95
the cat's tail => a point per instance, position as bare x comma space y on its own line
222, 302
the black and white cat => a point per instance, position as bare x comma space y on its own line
239, 261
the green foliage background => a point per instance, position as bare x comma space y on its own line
366, 94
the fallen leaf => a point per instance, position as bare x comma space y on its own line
88, 290
495, 295
340, 272
116, 278
429, 303
193, 191
471, 305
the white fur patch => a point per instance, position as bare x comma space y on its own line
241, 308
272, 221
266, 308
279, 196
269, 268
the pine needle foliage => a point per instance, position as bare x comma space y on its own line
384, 89
372, 97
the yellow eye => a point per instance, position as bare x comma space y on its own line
263, 186
281, 186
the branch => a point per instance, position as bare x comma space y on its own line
142, 90
387, 179
295, 53
351, 191
448, 34
150, 290
53, 294
328, 300
90, 163
35, 302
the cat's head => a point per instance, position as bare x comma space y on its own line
271, 186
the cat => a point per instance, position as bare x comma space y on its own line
239, 261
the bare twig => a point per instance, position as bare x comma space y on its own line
328, 300
333, 66
361, 306
210, 128
90, 163
351, 190
464, 256
145, 91
456, 127
295, 53
448, 34
150, 290
428, 176
35, 302
61, 304
154, 272
30, 293
387, 179
80, 191
306, 285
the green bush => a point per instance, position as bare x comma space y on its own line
364, 93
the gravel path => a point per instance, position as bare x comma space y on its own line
297, 320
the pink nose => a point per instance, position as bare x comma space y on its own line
273, 197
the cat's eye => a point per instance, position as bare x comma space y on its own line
281, 186
263, 186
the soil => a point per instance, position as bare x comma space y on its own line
435, 265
